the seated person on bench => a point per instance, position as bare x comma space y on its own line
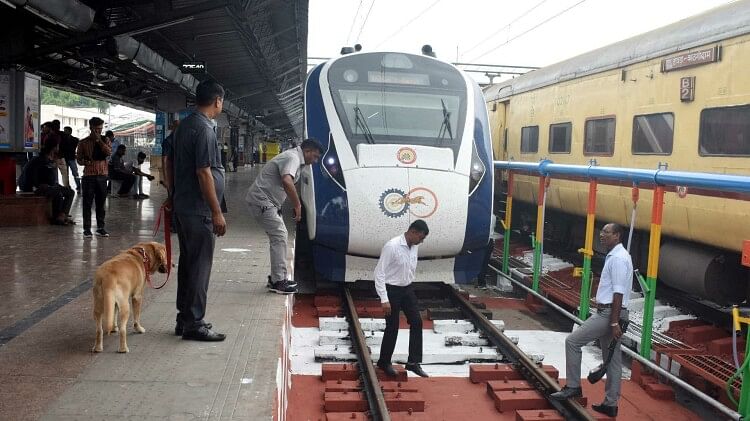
139, 176
40, 176
118, 171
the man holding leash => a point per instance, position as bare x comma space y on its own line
612, 298
195, 184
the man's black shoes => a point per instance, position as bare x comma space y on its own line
567, 393
416, 369
608, 410
178, 328
203, 334
387, 369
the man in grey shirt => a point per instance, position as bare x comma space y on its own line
274, 184
195, 183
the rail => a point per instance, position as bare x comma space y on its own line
570, 409
373, 392
733, 415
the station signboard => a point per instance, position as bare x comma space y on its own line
693, 58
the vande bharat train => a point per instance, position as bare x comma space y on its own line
406, 137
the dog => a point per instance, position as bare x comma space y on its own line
116, 282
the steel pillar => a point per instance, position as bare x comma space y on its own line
538, 239
506, 224
588, 252
653, 268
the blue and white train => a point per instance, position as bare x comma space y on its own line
406, 137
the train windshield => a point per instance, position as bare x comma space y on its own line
399, 98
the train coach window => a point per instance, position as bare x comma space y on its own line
530, 139
559, 137
653, 134
599, 137
725, 131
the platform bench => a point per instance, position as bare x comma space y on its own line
24, 210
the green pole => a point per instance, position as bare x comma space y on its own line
652, 271
506, 251
583, 308
507, 222
537, 263
744, 407
648, 317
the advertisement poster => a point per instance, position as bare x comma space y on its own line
160, 134
31, 128
4, 111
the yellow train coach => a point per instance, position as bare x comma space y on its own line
678, 95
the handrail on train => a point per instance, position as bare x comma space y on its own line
663, 177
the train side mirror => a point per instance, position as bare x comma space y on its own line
346, 50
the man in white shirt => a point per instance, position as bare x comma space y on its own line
394, 275
612, 299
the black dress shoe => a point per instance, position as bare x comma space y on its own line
178, 328
387, 369
567, 393
203, 334
416, 369
608, 410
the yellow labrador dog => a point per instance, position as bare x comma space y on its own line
118, 280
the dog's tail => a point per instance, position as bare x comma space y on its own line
108, 312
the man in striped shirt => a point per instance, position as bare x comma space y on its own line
92, 153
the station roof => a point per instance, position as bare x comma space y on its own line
131, 52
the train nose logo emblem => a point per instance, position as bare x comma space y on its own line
420, 202
406, 155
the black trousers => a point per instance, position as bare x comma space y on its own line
94, 189
127, 181
402, 299
197, 241
61, 197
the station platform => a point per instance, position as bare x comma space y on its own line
47, 369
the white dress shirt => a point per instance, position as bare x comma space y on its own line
617, 277
397, 266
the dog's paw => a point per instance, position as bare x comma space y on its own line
123, 350
96, 349
139, 329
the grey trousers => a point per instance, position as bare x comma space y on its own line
596, 327
270, 219
197, 241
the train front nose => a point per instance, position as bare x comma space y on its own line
391, 199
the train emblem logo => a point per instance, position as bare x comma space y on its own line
406, 155
419, 201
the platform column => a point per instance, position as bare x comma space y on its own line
588, 252
653, 268
538, 239
506, 224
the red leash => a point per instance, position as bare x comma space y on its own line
167, 242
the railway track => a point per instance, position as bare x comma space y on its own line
529, 369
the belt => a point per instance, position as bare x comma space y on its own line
605, 306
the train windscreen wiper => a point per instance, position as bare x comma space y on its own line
445, 127
360, 122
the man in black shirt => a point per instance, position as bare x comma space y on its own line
68, 146
195, 182
118, 171
40, 176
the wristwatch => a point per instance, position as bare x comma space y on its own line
614, 324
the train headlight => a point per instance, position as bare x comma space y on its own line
477, 169
332, 166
